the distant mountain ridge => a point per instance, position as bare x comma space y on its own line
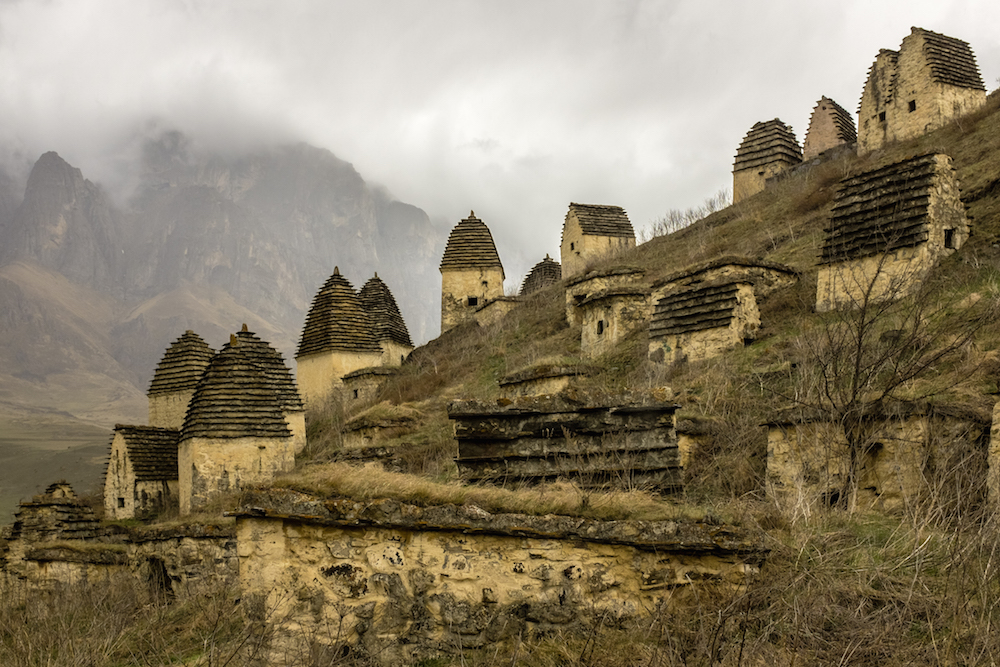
92, 292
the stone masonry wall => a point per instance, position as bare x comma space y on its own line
579, 251
851, 275
582, 287
726, 327
405, 582
210, 466
319, 375
610, 316
905, 98
168, 410
808, 463
457, 286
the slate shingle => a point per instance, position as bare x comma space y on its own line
182, 365
387, 321
152, 451
546, 272
470, 246
337, 321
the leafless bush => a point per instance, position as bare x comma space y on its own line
675, 219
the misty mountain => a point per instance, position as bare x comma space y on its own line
92, 291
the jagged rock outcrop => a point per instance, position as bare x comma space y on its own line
68, 224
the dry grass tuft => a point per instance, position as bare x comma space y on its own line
372, 483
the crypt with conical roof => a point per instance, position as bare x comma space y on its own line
471, 272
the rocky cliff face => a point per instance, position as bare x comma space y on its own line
67, 224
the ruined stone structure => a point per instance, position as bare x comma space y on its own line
471, 272
235, 432
581, 288
592, 232
364, 384
175, 378
389, 328
618, 441
610, 315
905, 450
769, 149
338, 338
272, 365
703, 321
406, 583
766, 277
546, 272
931, 80
57, 541
543, 379
830, 126
141, 477
888, 228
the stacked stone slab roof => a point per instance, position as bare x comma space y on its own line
826, 110
546, 272
272, 365
951, 60
182, 365
880, 210
767, 142
56, 514
598, 220
381, 307
694, 309
337, 321
152, 451
234, 399
470, 246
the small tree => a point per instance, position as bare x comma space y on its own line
893, 343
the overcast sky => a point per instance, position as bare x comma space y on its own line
510, 108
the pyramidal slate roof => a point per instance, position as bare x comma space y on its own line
152, 451
337, 321
882, 209
599, 220
381, 307
842, 120
546, 272
766, 142
272, 365
951, 60
234, 399
182, 365
470, 246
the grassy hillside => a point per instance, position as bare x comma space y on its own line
842, 585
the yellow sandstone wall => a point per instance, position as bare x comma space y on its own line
318, 375
168, 410
208, 467
748, 182
457, 286
936, 104
578, 251
708, 343
607, 321
400, 593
